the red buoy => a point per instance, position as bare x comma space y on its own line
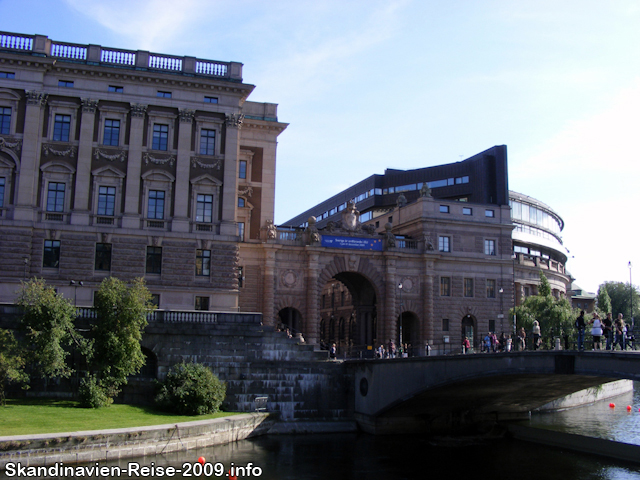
201, 460
612, 405
628, 408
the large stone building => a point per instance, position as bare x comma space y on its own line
131, 164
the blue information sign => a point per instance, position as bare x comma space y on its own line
352, 242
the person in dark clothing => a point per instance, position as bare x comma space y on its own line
581, 325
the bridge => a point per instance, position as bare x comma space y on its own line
425, 393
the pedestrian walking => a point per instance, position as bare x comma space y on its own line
620, 327
522, 340
607, 328
596, 331
466, 345
536, 335
580, 326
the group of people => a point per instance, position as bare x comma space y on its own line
492, 343
615, 333
393, 351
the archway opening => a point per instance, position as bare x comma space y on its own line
290, 318
468, 330
408, 334
348, 315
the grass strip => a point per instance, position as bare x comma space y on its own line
32, 416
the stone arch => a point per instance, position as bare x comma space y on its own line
291, 305
408, 327
469, 329
340, 264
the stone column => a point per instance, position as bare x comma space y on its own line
427, 327
230, 176
180, 221
81, 214
312, 319
30, 159
269, 284
391, 289
131, 217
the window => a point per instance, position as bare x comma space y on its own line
111, 132
489, 213
240, 277
2, 182
55, 197
241, 231
207, 142
154, 260
103, 257
106, 201
210, 99
491, 289
65, 83
160, 137
241, 202
5, 120
467, 211
116, 89
492, 325
445, 324
202, 303
445, 286
51, 256
468, 287
7, 75
489, 247
444, 244
155, 299
163, 94
444, 208
204, 207
242, 169
203, 263
155, 208
61, 128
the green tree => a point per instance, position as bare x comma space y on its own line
11, 362
621, 295
554, 315
122, 316
604, 300
191, 389
48, 322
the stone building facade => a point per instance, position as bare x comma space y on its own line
132, 164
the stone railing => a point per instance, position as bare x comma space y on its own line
139, 59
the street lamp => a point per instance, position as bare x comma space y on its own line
401, 307
631, 297
513, 258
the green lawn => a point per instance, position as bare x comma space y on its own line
28, 416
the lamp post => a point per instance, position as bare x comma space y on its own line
400, 319
631, 298
513, 258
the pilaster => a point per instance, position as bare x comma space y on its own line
390, 313
180, 221
81, 214
312, 318
131, 218
230, 177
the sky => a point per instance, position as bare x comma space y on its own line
367, 85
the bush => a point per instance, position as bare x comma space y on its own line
92, 394
191, 389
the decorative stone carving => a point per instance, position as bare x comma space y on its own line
48, 149
16, 145
312, 231
158, 161
425, 191
401, 201
289, 278
101, 154
196, 162
138, 110
36, 98
186, 116
407, 283
391, 238
234, 119
428, 242
350, 217
245, 192
271, 230
89, 106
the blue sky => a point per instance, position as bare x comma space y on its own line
367, 85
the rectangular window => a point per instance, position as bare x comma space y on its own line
467, 211
163, 94
240, 277
154, 260
7, 75
491, 289
111, 132
492, 325
115, 89
207, 142
444, 208
55, 197
203, 263
210, 99
5, 120
468, 287
489, 213
155, 299
204, 208
445, 286
241, 202
160, 137
445, 324
202, 303
61, 128
155, 208
241, 231
65, 83
444, 244
489, 247
106, 201
2, 180
242, 169
51, 256
103, 257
